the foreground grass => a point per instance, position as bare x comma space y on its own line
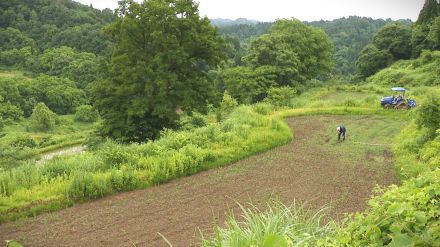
279, 225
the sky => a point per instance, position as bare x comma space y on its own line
304, 10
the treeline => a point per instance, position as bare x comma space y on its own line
397, 41
349, 36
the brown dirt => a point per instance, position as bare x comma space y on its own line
180, 209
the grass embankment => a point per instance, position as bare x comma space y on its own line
31, 189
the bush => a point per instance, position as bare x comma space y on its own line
227, 105
429, 114
9, 111
86, 113
280, 96
350, 103
42, 118
402, 216
263, 108
196, 120
85, 185
23, 141
124, 179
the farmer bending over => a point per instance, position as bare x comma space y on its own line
341, 131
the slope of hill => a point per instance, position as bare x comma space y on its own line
44, 24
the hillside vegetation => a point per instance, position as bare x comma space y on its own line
158, 93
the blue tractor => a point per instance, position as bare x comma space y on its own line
397, 102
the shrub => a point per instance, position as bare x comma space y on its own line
42, 118
124, 179
429, 114
23, 141
263, 108
280, 96
350, 103
228, 103
85, 185
196, 120
402, 216
9, 111
86, 113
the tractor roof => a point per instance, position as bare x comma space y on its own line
399, 89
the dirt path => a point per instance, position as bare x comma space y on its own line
312, 168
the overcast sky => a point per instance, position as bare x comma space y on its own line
304, 10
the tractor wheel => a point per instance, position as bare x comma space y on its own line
401, 105
387, 106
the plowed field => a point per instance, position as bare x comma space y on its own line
313, 168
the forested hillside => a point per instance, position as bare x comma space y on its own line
349, 36
43, 24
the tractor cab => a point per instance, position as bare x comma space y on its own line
397, 102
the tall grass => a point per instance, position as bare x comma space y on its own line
424, 70
278, 225
116, 167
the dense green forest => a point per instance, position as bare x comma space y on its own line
349, 36
156, 100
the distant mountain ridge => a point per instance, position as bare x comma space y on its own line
229, 22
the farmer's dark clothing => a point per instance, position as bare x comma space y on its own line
341, 132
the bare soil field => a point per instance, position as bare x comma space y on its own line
313, 168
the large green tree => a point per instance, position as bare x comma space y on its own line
249, 85
396, 39
160, 62
421, 36
372, 59
299, 52
430, 10
392, 42
434, 34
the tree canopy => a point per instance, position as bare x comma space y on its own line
430, 10
396, 39
372, 59
157, 67
299, 52
391, 43
47, 23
